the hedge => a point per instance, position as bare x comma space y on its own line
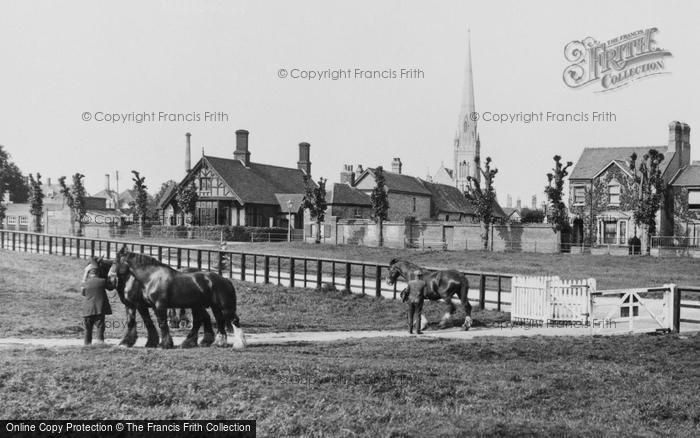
214, 232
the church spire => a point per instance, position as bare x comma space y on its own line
466, 145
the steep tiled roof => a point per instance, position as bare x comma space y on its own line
593, 160
688, 176
397, 182
448, 199
343, 194
258, 183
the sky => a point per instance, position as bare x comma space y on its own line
61, 60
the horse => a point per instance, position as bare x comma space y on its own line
129, 292
163, 287
441, 285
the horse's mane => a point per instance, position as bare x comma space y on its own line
411, 265
146, 260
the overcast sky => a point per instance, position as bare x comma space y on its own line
61, 59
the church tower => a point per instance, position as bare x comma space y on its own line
467, 146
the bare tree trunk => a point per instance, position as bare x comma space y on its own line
141, 227
318, 231
646, 238
380, 241
485, 235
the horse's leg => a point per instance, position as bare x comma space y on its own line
450, 311
152, 340
183, 318
409, 312
173, 320
220, 326
130, 336
191, 339
162, 315
208, 338
467, 306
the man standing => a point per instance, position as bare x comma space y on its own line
415, 295
95, 306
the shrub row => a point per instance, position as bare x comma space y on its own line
217, 232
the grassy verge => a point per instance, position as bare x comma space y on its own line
618, 386
39, 296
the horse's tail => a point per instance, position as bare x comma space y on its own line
233, 323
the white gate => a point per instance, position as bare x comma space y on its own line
550, 299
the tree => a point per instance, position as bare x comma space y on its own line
187, 201
380, 202
12, 181
315, 202
483, 198
531, 216
36, 199
649, 191
140, 204
75, 199
154, 202
557, 214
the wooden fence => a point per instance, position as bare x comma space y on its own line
551, 300
354, 276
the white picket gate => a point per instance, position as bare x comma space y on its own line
550, 299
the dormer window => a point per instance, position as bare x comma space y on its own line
614, 193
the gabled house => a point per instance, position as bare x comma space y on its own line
601, 189
237, 191
685, 192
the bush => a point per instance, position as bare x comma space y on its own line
635, 245
228, 232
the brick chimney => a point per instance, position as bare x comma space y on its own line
107, 182
518, 204
188, 153
241, 153
509, 201
347, 176
534, 202
396, 165
304, 163
685, 140
48, 182
359, 170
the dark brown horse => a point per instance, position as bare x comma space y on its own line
441, 285
163, 287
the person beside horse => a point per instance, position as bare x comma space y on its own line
414, 295
439, 285
95, 306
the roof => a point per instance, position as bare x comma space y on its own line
397, 182
258, 183
449, 199
106, 194
170, 190
296, 198
688, 176
343, 194
593, 160
510, 210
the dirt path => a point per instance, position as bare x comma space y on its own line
296, 337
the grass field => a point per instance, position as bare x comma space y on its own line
618, 386
39, 296
611, 272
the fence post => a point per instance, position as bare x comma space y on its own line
92, 248
498, 305
2, 239
160, 253
25, 243
291, 272
242, 267
77, 248
378, 282
50, 244
220, 257
38, 241
319, 273
266, 270
348, 269
676, 323
199, 259
482, 291
63, 245
179, 258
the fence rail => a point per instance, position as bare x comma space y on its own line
354, 276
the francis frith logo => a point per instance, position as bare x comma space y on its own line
614, 63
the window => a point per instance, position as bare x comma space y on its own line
694, 199
414, 204
623, 232
11, 220
614, 194
610, 232
358, 213
579, 195
204, 184
23, 220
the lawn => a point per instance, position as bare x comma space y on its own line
625, 385
39, 297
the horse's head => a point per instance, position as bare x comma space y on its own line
394, 272
119, 268
94, 267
